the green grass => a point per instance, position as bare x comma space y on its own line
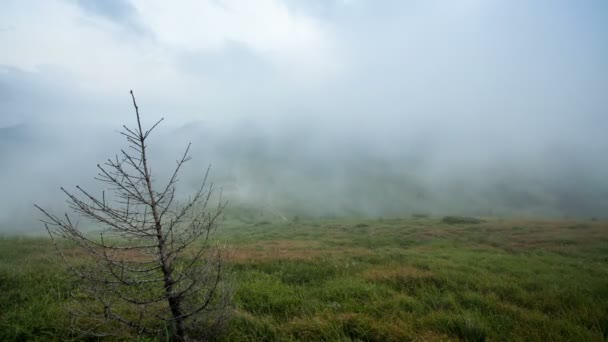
416, 279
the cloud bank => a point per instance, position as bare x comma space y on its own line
501, 103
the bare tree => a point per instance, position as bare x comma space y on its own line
150, 263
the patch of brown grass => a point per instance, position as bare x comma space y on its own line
127, 255
297, 250
563, 236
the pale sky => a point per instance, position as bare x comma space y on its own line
212, 59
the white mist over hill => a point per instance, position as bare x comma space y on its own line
315, 107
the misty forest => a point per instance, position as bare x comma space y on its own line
303, 170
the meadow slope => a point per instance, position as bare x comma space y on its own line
400, 279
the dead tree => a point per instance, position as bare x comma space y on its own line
150, 263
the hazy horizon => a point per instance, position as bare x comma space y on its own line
315, 108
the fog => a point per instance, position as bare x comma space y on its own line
314, 108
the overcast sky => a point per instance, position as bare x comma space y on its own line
480, 79
518, 62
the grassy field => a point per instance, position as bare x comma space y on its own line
416, 279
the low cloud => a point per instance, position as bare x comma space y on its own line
382, 108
